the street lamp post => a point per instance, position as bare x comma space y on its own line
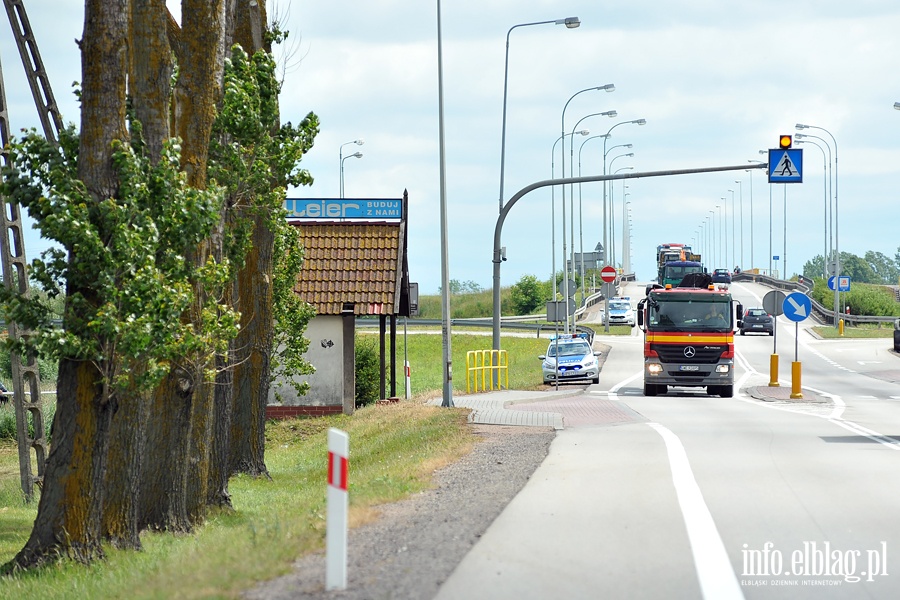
723, 247
837, 253
612, 213
741, 204
752, 260
625, 217
605, 210
446, 335
826, 166
553, 210
609, 87
608, 113
580, 221
358, 142
733, 236
570, 23
354, 155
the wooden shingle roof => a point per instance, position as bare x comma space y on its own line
351, 263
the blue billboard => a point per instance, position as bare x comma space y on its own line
372, 209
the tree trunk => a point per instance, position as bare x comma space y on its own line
177, 498
151, 72
251, 377
70, 510
254, 296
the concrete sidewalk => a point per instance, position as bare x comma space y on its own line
493, 408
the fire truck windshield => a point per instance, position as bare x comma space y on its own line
689, 315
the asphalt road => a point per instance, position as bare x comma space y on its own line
691, 496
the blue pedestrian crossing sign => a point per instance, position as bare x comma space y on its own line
786, 165
797, 306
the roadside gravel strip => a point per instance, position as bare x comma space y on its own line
416, 544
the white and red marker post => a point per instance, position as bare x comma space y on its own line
336, 519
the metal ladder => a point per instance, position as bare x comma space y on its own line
25, 373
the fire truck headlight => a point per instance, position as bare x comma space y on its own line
654, 368
722, 368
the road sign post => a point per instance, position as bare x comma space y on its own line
796, 307
772, 304
608, 275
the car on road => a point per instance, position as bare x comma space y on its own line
621, 312
757, 320
721, 276
577, 360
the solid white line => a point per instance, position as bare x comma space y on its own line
625, 382
714, 570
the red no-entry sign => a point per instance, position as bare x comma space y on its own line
608, 274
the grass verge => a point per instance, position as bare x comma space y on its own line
831, 333
394, 449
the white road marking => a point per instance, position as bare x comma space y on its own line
714, 570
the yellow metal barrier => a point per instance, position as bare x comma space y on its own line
481, 365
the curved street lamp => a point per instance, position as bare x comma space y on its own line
612, 212
741, 206
354, 155
837, 253
358, 142
609, 87
553, 209
570, 23
605, 210
826, 171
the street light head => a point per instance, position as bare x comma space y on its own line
641, 121
612, 113
799, 135
801, 126
629, 154
584, 132
629, 145
897, 105
359, 142
357, 154
763, 151
609, 87
569, 22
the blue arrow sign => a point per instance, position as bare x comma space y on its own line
797, 306
786, 166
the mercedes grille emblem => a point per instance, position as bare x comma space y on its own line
689, 352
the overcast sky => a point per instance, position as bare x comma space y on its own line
716, 82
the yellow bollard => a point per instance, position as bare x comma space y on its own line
841, 327
795, 381
773, 371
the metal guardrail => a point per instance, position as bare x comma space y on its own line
824, 314
505, 323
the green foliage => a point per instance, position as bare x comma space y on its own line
126, 278
256, 158
463, 287
465, 306
529, 295
863, 299
292, 314
368, 378
875, 267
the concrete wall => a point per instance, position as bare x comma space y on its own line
328, 354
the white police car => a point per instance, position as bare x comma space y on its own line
621, 311
577, 360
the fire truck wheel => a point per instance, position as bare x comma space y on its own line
726, 391
649, 389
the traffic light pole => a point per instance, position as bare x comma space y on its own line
498, 229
